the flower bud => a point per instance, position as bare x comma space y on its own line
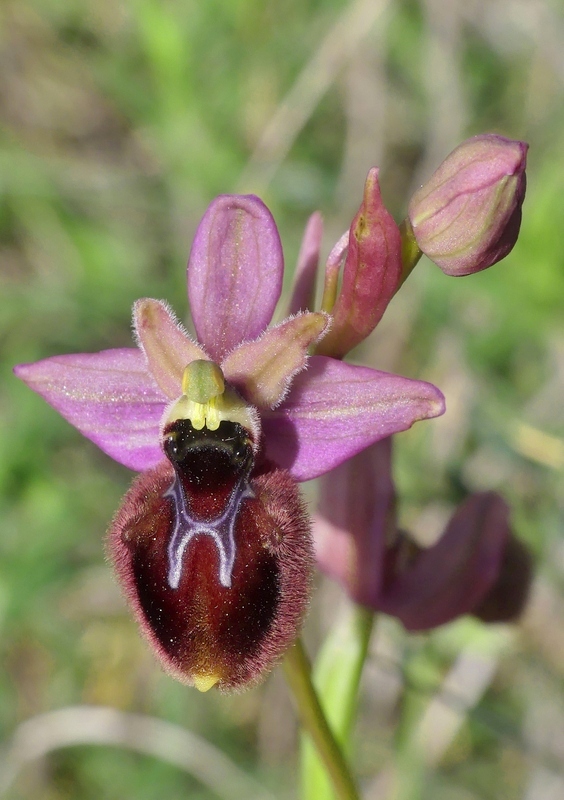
371, 273
468, 214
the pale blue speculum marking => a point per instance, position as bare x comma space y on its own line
221, 529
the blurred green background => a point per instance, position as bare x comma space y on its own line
120, 121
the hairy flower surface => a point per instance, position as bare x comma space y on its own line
212, 544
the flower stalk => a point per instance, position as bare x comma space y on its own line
337, 675
298, 675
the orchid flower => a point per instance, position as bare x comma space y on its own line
477, 566
212, 543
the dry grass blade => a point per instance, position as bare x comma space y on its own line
77, 725
319, 73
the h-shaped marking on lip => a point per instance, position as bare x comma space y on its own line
221, 529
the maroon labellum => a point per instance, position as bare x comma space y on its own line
215, 556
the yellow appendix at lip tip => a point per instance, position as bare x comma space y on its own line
204, 683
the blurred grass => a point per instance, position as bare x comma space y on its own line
119, 123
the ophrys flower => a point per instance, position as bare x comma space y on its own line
212, 543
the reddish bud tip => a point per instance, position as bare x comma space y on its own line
468, 214
214, 559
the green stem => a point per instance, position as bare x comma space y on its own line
337, 676
298, 675
363, 625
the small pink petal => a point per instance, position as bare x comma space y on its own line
109, 396
452, 577
303, 293
234, 273
355, 519
166, 345
370, 276
264, 369
335, 410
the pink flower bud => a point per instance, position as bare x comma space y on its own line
467, 216
371, 273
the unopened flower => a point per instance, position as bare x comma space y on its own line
212, 544
371, 273
467, 216
476, 567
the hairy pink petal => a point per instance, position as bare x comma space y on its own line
109, 396
452, 577
166, 345
303, 294
234, 273
370, 276
335, 410
355, 519
263, 369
